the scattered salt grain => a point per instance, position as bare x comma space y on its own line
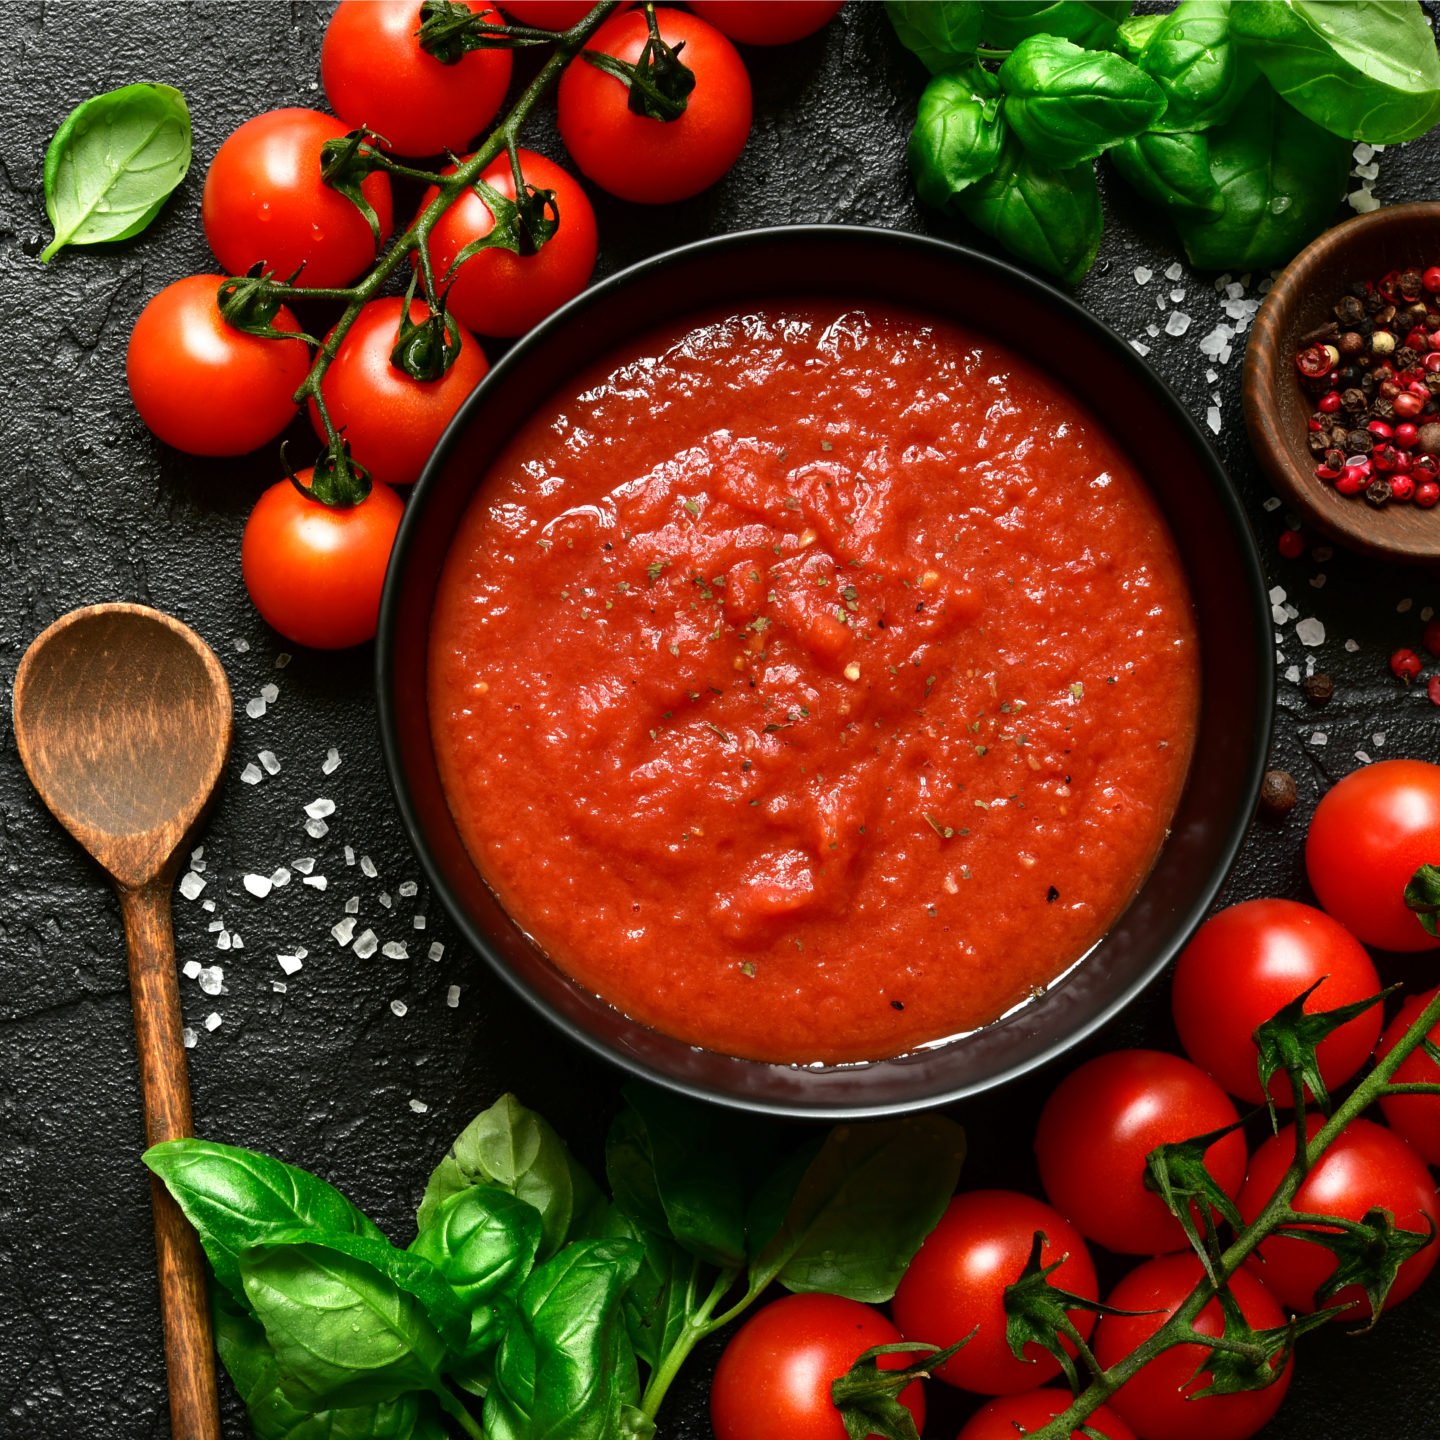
419, 922
279, 987
269, 762
395, 950
1212, 419
1277, 614
241, 645
236, 943
280, 877
399, 1008
367, 867
270, 693
258, 885
1351, 646
305, 864
1362, 757
215, 925
223, 940
1293, 674
352, 905
316, 882
366, 944
290, 963
191, 969
1176, 296
452, 997
1364, 153
407, 888
197, 858
386, 901
255, 708
1142, 275
1362, 202
1152, 331
1139, 347
1175, 271
1378, 739
251, 774
191, 884
1319, 738
419, 1106
320, 808
1310, 631
213, 1021
343, 931
212, 980
1367, 172
436, 950
1177, 323
316, 829
349, 856
208, 906
332, 761
189, 1037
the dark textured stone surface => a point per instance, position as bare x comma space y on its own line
91, 509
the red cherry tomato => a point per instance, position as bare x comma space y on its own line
767, 22
773, 1381
265, 202
375, 74
999, 1419
1100, 1124
1367, 1166
496, 291
1156, 1403
203, 387
1415, 1118
640, 158
1370, 834
1247, 963
958, 1277
547, 14
315, 572
391, 421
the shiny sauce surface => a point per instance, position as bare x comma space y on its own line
813, 683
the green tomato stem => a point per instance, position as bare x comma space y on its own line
697, 1327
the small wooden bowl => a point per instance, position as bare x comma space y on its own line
1277, 409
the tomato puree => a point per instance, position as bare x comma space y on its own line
813, 683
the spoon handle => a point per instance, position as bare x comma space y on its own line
165, 1091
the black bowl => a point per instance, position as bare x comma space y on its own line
1237, 682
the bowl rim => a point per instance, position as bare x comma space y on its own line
389, 641
1350, 522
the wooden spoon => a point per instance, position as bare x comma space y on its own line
123, 721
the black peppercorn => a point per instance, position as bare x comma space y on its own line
1318, 688
1354, 398
1405, 357
1277, 794
1359, 442
1352, 343
1378, 493
1350, 309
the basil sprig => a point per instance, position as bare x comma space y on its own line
113, 163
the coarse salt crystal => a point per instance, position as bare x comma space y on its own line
1319, 738
279, 987
222, 940
436, 950
1378, 739
418, 1106
251, 774
270, 693
366, 944
418, 922
1277, 614
212, 980
395, 950
213, 1021
269, 763
349, 855
197, 855
305, 864
1176, 296
1310, 631
1142, 275
1152, 331
343, 930
1175, 271
1293, 674
215, 925
258, 885
1362, 202
1363, 153
241, 645
316, 829
1177, 323
367, 867
289, 963
399, 1007
189, 1037
1351, 646
255, 708
1212, 418
316, 882
1370, 171
452, 997
407, 888
191, 969
1362, 757
208, 906
332, 761
236, 943
1139, 347
281, 876
352, 905
191, 884
320, 808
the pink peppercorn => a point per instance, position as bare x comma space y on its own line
1291, 544
1431, 279
1408, 405
1433, 689
1406, 435
1330, 402
1352, 482
1405, 665
1380, 430
1402, 487
1427, 493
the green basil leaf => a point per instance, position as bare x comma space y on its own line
566, 1369
1067, 105
250, 1362
943, 33
113, 163
1132, 34
676, 1166
343, 1332
1049, 218
516, 1150
1364, 69
666, 1292
483, 1240
1172, 171
1194, 60
1086, 22
865, 1202
1280, 177
236, 1199
958, 137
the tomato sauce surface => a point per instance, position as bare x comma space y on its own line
813, 683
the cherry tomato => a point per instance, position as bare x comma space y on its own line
1367, 1166
958, 1277
640, 158
1101, 1122
1370, 834
265, 202
1415, 1118
999, 1419
375, 74
204, 387
547, 14
767, 22
1247, 963
1156, 1403
391, 421
773, 1381
314, 571
496, 291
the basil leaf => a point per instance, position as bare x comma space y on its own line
1364, 69
250, 1362
1050, 218
113, 163
943, 33
1280, 178
236, 1199
517, 1150
1086, 22
666, 1292
958, 138
343, 1332
1067, 105
483, 1240
1192, 57
862, 1207
566, 1369
675, 1166
1133, 33
1172, 171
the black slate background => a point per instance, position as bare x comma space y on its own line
92, 509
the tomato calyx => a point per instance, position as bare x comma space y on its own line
337, 481
1369, 1253
1287, 1043
449, 31
425, 349
1177, 1173
522, 225
346, 163
1243, 1358
659, 82
868, 1398
1422, 895
250, 303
